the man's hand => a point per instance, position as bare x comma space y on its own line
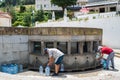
101, 56
48, 64
51, 60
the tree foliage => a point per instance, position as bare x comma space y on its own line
26, 2
5, 3
13, 14
63, 3
39, 16
27, 19
22, 8
24, 16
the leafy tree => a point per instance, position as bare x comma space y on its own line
11, 2
13, 14
49, 15
27, 19
16, 23
63, 3
25, 2
2, 4
5, 3
39, 16
22, 8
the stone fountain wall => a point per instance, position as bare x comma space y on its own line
16, 43
13, 45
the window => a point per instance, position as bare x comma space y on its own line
44, 6
49, 44
74, 47
53, 5
37, 47
38, 7
62, 46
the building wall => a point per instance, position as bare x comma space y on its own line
6, 22
109, 22
106, 8
46, 5
14, 48
89, 1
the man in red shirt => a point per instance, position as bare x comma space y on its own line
106, 50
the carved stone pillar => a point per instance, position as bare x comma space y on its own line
69, 48
55, 44
80, 47
91, 46
42, 47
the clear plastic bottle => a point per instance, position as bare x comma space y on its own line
104, 64
41, 69
62, 67
47, 71
97, 55
11, 68
15, 68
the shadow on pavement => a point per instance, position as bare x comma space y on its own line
115, 70
60, 76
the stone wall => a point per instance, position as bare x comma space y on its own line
14, 48
14, 45
51, 31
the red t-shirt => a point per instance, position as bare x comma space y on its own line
106, 50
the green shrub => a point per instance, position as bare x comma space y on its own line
86, 19
80, 19
17, 23
94, 17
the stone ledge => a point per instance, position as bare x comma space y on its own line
50, 31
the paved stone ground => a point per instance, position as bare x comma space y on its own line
98, 74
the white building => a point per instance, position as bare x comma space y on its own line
46, 5
82, 2
104, 6
5, 20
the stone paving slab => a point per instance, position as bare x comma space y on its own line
117, 50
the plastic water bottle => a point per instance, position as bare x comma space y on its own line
21, 68
47, 71
62, 67
0, 68
97, 55
4, 68
11, 68
41, 69
104, 63
15, 68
